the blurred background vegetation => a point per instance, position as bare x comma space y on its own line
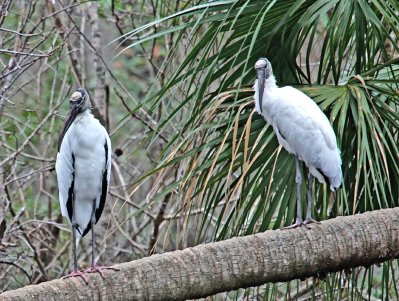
192, 161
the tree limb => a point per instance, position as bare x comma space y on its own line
272, 256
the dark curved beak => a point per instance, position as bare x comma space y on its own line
73, 112
261, 76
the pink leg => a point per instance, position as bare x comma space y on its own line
77, 273
99, 269
298, 223
310, 220
94, 268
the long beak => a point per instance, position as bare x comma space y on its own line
73, 112
261, 75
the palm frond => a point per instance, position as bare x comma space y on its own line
230, 165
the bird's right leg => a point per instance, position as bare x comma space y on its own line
75, 272
309, 218
95, 268
298, 179
75, 259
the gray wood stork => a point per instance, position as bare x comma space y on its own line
302, 129
83, 170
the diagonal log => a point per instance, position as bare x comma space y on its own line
272, 256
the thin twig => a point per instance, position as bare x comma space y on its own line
157, 223
12, 156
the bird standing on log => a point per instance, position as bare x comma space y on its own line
83, 170
302, 129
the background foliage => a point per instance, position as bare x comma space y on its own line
172, 81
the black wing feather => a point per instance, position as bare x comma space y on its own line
69, 203
326, 179
104, 189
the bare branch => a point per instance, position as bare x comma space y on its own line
272, 256
24, 53
157, 223
11, 157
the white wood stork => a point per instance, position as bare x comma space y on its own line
83, 170
302, 129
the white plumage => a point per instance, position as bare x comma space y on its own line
85, 140
83, 170
301, 127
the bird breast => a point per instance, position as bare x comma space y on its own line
303, 130
87, 138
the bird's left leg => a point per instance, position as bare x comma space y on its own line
298, 179
309, 218
94, 268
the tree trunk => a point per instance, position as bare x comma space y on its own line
3, 205
272, 256
99, 99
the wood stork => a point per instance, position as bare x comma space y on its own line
302, 129
83, 170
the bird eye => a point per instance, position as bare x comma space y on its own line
76, 102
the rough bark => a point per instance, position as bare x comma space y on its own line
99, 97
3, 206
272, 256
63, 25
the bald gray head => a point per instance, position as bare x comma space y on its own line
261, 63
263, 68
263, 73
79, 101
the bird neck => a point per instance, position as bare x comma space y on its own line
71, 118
85, 113
270, 83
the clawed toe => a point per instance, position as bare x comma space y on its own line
92, 269
310, 220
298, 223
77, 273
99, 269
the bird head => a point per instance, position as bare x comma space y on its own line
79, 101
263, 71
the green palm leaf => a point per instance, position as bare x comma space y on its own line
229, 161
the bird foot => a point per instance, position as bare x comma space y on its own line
298, 223
310, 220
99, 269
77, 273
